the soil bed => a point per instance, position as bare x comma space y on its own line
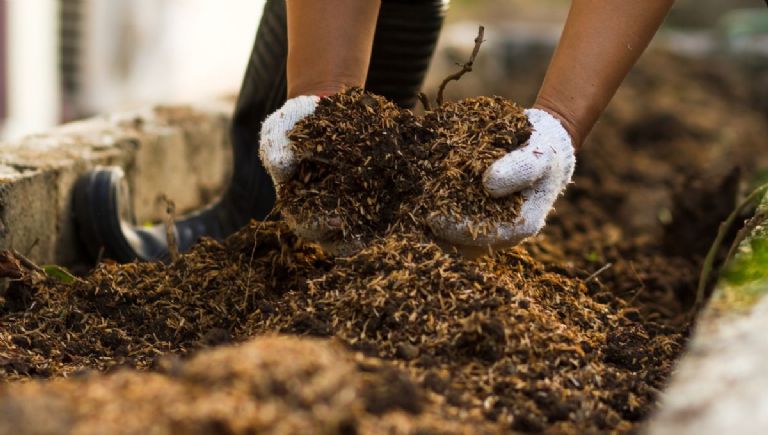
576, 331
500, 338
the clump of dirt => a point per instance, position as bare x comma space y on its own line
525, 347
128, 315
372, 166
500, 337
283, 385
357, 160
469, 136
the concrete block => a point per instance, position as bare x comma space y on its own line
182, 152
721, 384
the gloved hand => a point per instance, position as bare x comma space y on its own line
275, 148
279, 160
540, 171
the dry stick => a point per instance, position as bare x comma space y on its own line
424, 101
26, 262
28, 251
757, 220
598, 272
467, 67
170, 226
253, 253
640, 280
706, 268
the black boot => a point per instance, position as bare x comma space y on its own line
404, 41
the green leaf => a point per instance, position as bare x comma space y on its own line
59, 273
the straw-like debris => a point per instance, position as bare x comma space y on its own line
374, 166
359, 156
281, 385
572, 333
500, 338
469, 136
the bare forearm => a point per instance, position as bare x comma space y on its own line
329, 44
601, 42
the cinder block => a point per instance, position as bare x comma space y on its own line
182, 152
721, 383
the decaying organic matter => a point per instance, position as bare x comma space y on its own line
374, 166
359, 156
500, 338
283, 385
574, 332
469, 136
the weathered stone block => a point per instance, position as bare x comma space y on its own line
181, 152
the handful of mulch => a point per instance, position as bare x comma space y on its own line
357, 161
470, 135
374, 166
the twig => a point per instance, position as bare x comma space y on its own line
271, 213
28, 251
26, 262
170, 228
467, 67
706, 268
598, 272
425, 101
100, 257
742, 234
640, 280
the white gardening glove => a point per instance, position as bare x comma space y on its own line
278, 158
540, 171
275, 149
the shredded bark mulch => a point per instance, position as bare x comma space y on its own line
500, 338
575, 332
375, 167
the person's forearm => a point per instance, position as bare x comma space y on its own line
601, 42
329, 44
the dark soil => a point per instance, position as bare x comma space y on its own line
357, 161
469, 136
500, 337
282, 385
576, 331
374, 167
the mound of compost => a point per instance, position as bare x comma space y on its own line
500, 338
284, 385
356, 161
372, 166
130, 314
470, 135
591, 312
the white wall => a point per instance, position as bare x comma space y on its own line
32, 67
139, 52
134, 53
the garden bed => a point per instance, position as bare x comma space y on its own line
575, 331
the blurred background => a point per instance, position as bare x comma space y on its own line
62, 60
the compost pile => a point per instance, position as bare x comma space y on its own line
576, 331
277, 384
374, 167
500, 338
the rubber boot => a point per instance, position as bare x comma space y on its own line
405, 39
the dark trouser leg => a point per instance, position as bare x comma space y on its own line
405, 39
